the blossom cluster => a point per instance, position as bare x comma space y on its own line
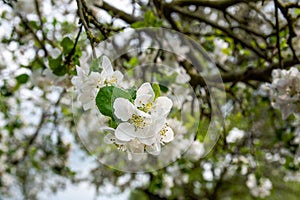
140, 120
285, 91
259, 188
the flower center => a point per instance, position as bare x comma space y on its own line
164, 130
110, 81
146, 107
138, 121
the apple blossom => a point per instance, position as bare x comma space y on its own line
285, 91
235, 135
143, 123
259, 188
88, 83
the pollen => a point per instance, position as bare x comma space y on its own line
145, 107
110, 81
138, 121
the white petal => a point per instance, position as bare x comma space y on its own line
118, 75
150, 130
109, 138
168, 136
154, 149
145, 115
123, 109
148, 141
162, 106
122, 131
106, 65
145, 88
107, 128
135, 146
158, 124
143, 100
80, 72
86, 97
89, 105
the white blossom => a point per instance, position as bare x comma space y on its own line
88, 83
167, 184
235, 135
196, 151
143, 123
259, 188
218, 53
285, 91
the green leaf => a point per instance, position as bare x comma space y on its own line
131, 63
156, 89
67, 45
23, 78
106, 97
163, 88
139, 24
56, 65
138, 194
112, 123
150, 18
132, 92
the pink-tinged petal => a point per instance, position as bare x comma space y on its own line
145, 88
122, 131
106, 66
123, 109
162, 106
168, 135
154, 149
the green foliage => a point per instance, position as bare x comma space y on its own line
57, 66
150, 20
138, 195
133, 62
67, 45
22, 79
156, 89
106, 97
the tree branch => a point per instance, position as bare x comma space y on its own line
221, 5
118, 13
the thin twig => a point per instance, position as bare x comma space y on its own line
277, 34
86, 27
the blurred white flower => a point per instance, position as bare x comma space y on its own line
196, 151
285, 91
218, 53
168, 183
261, 188
182, 76
235, 135
173, 42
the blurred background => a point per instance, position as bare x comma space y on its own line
253, 44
